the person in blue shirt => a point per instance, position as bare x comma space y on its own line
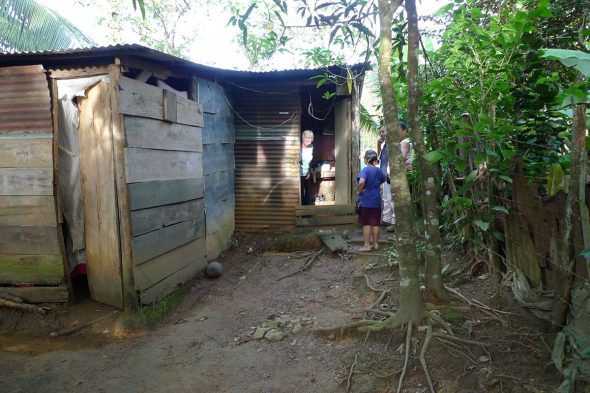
369, 195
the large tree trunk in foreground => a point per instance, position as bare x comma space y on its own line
571, 220
411, 305
433, 275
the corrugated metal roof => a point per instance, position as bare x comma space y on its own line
96, 54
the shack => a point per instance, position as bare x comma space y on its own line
133, 168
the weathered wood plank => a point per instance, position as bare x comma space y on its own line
326, 220
140, 99
155, 270
158, 193
97, 176
343, 125
26, 181
156, 134
28, 240
219, 213
161, 289
150, 245
143, 165
330, 210
27, 210
39, 294
26, 153
34, 269
147, 220
220, 240
78, 72
130, 298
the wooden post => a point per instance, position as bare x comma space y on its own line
130, 299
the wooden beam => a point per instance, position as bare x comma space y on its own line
169, 99
130, 300
144, 76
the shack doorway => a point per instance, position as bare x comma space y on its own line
87, 189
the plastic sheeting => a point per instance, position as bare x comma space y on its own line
69, 164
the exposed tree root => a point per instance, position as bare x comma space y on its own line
406, 358
311, 258
348, 382
485, 309
423, 356
21, 306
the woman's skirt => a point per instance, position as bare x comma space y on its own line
370, 216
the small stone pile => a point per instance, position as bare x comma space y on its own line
277, 327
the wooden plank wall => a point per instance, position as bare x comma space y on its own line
218, 166
29, 244
164, 172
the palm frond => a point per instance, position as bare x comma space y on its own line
27, 26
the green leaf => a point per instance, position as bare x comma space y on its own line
249, 11
363, 29
461, 165
571, 58
484, 226
471, 176
433, 156
555, 179
444, 9
500, 209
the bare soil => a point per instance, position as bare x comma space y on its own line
211, 343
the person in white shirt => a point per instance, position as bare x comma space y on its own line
305, 157
388, 214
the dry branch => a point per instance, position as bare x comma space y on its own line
21, 306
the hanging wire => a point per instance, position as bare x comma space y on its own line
255, 126
310, 109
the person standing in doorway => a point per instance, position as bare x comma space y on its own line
305, 157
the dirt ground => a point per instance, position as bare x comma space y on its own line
213, 342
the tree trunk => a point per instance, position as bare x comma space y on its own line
433, 249
571, 220
411, 305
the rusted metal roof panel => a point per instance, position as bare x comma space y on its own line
25, 106
267, 158
106, 54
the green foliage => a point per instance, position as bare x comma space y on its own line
27, 26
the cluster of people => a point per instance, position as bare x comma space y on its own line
375, 199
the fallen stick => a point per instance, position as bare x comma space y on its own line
10, 297
21, 306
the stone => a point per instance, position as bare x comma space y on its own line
259, 333
274, 335
298, 328
214, 269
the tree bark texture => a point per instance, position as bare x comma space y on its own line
411, 305
433, 243
571, 221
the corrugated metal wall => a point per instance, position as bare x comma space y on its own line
30, 250
267, 156
218, 166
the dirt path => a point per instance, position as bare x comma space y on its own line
208, 344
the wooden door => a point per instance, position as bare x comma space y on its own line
99, 197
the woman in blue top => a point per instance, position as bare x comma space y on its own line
369, 195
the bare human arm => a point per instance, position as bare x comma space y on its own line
361, 185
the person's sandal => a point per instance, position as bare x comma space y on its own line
365, 248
